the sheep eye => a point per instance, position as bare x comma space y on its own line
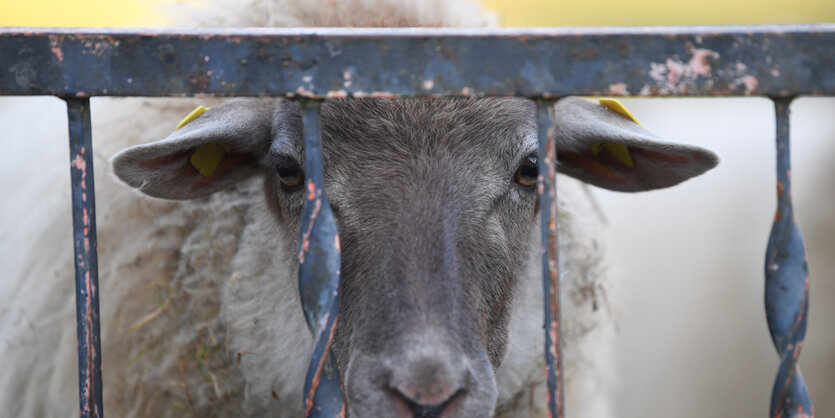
290, 174
527, 172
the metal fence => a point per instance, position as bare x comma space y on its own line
780, 62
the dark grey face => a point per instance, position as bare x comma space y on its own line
434, 207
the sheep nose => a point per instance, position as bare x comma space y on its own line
429, 387
431, 411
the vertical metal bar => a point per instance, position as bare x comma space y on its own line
547, 189
319, 259
786, 285
86, 261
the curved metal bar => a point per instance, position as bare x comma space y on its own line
86, 260
319, 259
547, 189
786, 286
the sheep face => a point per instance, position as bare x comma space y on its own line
434, 200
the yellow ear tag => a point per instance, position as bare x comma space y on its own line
619, 151
207, 157
618, 107
192, 116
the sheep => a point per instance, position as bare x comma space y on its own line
199, 298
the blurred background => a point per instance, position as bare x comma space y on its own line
511, 12
686, 264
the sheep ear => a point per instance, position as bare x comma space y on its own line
605, 146
209, 151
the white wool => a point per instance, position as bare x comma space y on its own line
197, 278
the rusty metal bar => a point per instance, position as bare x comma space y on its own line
547, 189
775, 60
319, 259
786, 286
86, 260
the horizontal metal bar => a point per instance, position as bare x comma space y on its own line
776, 61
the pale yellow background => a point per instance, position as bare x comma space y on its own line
512, 12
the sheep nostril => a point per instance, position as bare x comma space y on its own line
422, 410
